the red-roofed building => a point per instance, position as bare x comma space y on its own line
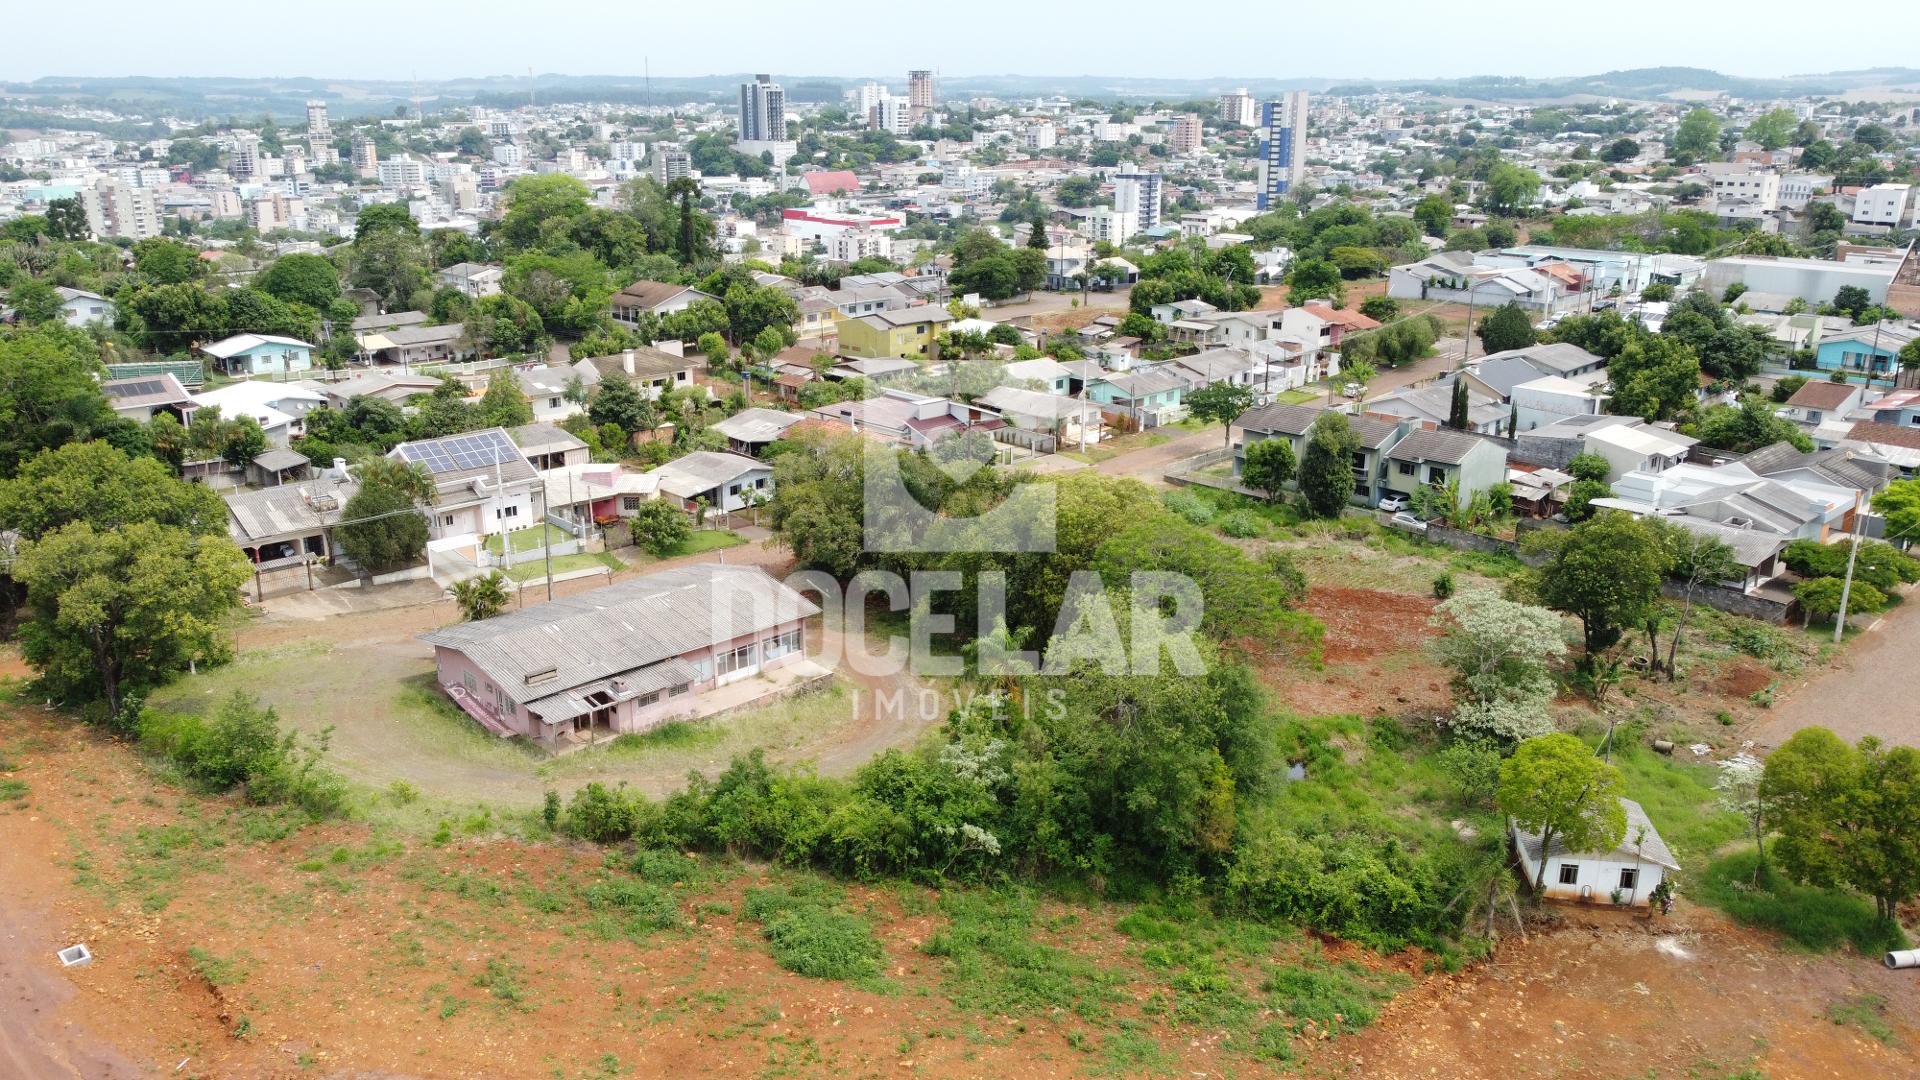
831, 181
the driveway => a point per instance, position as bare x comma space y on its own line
1148, 463
1867, 691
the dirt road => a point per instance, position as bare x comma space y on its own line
1867, 691
1148, 463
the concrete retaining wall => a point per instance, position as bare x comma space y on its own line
1733, 601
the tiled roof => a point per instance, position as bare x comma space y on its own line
1822, 395
1873, 431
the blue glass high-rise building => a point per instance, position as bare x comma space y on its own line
1283, 146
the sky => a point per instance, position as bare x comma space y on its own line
1205, 39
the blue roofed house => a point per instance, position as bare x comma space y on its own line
260, 354
1865, 348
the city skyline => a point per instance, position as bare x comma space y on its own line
1414, 42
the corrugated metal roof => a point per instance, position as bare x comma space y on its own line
574, 641
1653, 849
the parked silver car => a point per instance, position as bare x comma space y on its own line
1406, 519
1393, 503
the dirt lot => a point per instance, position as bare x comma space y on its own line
230, 950
363, 675
1862, 694
1372, 660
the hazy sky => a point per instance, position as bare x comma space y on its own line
1186, 39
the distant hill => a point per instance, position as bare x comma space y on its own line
220, 98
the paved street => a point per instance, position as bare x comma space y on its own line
1866, 692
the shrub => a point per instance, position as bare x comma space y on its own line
602, 814
1812, 917
1188, 505
242, 746
823, 943
1243, 524
1443, 586
1293, 580
645, 907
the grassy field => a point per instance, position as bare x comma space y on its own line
536, 569
528, 539
699, 543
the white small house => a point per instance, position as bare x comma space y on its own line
1634, 869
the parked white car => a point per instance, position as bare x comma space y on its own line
1406, 519
1393, 503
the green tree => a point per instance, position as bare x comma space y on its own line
481, 597
1556, 786
714, 347
35, 302
1511, 189
167, 262
1698, 137
1314, 279
1269, 466
1773, 129
616, 401
1899, 503
1744, 428
1619, 150
1460, 407
383, 217
501, 324
1382, 308
1505, 327
1654, 378
1853, 301
658, 528
540, 212
67, 219
1847, 816
114, 612
685, 190
505, 404
1819, 598
1326, 469
1605, 572
1435, 214
99, 485
301, 279
1221, 403
384, 528
1499, 651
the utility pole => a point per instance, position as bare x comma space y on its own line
1846, 592
1466, 353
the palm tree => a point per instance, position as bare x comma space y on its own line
481, 597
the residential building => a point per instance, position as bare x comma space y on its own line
317, 126
1115, 227
751, 431
892, 115
763, 110
1239, 107
1456, 277
473, 280
546, 391
1639, 448
1141, 194
1740, 182
1070, 422
723, 482
1549, 399
816, 224
279, 408
1283, 147
1433, 404
1631, 871
920, 93
287, 524
852, 245
1294, 423
1812, 280
546, 447
1186, 135
652, 371
904, 418
1822, 402
1148, 396
243, 159
115, 209
586, 493
259, 354
1799, 189
141, 397
411, 346
907, 333
1865, 348
366, 158
1442, 457
403, 171
483, 483
653, 298
625, 658
670, 163
1882, 206
80, 307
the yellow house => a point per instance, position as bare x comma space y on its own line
907, 333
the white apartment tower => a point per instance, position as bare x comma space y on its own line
1138, 194
670, 163
866, 96
891, 114
317, 127
1283, 146
115, 209
763, 111
1238, 107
